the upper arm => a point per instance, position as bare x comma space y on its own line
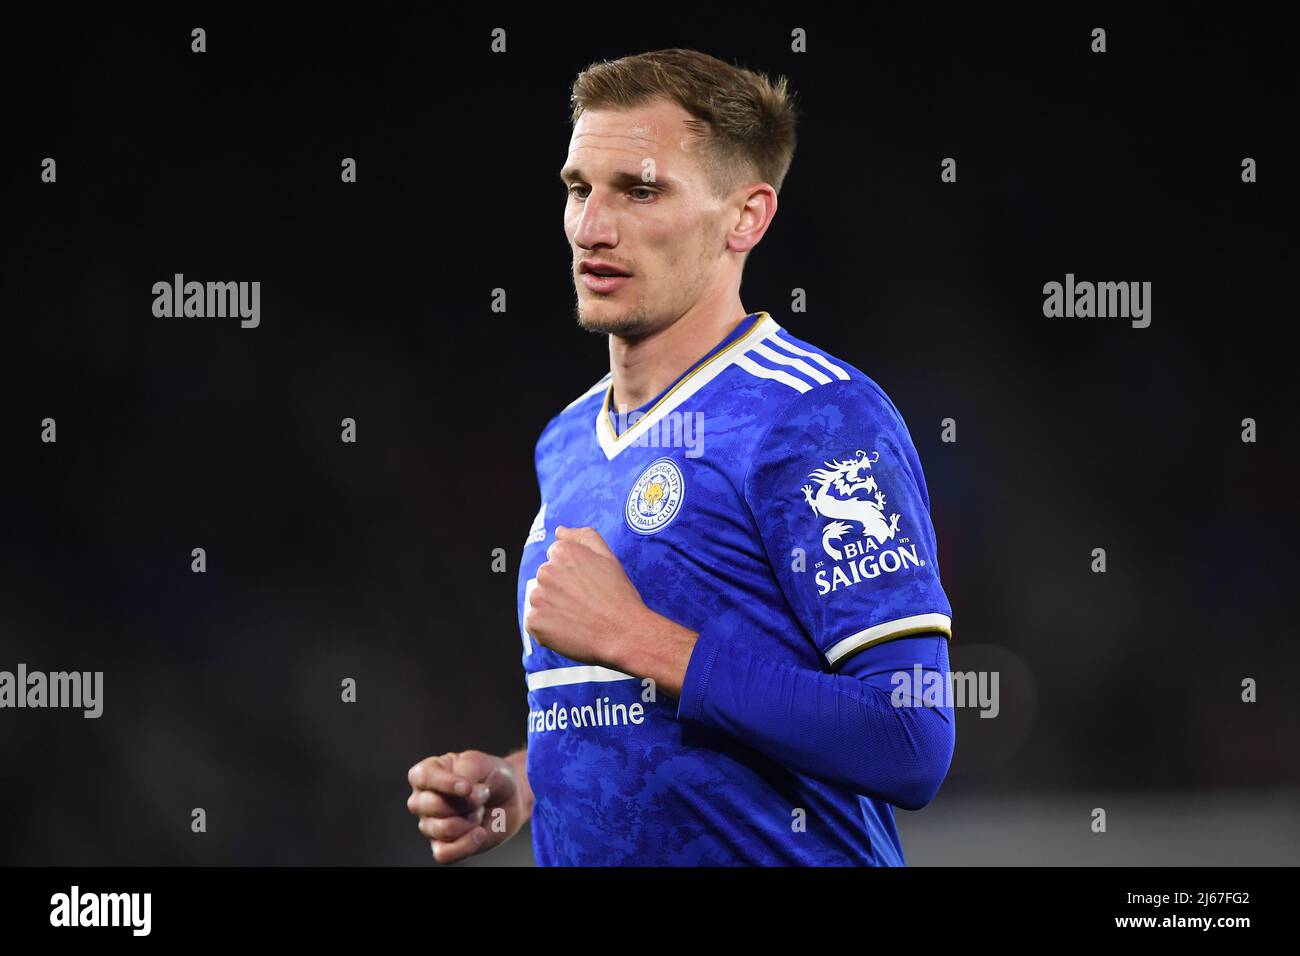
841, 506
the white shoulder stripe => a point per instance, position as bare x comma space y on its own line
598, 387
821, 360
761, 371
784, 359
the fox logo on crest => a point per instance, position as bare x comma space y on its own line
846, 479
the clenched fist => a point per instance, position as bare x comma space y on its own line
583, 605
469, 802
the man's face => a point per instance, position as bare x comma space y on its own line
639, 200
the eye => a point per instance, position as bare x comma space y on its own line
645, 189
570, 190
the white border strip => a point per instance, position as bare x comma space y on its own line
916, 624
528, 594
706, 373
560, 676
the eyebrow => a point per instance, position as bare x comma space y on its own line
622, 178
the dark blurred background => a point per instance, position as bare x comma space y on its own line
373, 560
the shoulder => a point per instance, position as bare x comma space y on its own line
800, 379
836, 416
581, 411
588, 403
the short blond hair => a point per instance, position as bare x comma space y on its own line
744, 121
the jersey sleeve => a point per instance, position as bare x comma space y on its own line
840, 501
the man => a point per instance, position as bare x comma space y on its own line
728, 593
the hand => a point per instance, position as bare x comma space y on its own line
583, 606
467, 802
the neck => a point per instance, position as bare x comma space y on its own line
642, 367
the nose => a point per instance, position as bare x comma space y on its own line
596, 225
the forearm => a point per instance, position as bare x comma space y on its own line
651, 645
843, 729
518, 760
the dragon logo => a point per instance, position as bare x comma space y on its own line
835, 497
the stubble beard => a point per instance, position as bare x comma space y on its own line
634, 322
631, 323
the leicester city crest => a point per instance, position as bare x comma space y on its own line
656, 497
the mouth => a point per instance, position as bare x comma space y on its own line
601, 268
604, 283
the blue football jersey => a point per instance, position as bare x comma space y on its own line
773, 496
